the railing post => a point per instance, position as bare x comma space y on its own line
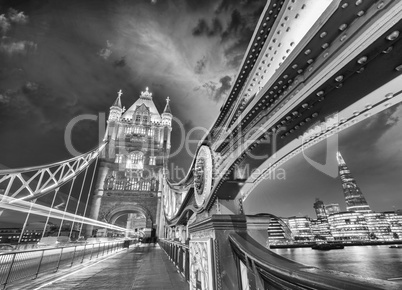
72, 260
9, 271
83, 256
103, 252
40, 262
58, 262
97, 254
92, 250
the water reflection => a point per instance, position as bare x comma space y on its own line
370, 261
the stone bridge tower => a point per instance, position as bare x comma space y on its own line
130, 172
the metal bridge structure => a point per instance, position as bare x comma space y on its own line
311, 70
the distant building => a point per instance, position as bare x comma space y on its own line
300, 228
319, 209
348, 226
320, 229
378, 226
332, 208
354, 198
395, 221
278, 232
10, 235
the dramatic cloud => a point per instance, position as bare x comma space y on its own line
106, 52
4, 24
201, 65
21, 47
120, 62
17, 17
223, 89
203, 28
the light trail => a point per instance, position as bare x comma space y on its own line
11, 203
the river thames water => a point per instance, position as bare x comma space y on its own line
371, 261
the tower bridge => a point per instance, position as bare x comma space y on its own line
312, 69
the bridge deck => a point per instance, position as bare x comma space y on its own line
142, 267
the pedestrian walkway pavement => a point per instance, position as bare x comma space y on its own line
144, 267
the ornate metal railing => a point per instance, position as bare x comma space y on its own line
20, 265
260, 268
179, 254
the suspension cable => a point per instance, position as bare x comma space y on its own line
50, 210
66, 208
79, 200
89, 195
26, 220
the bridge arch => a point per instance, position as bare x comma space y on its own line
118, 211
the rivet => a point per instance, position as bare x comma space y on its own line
323, 34
343, 37
381, 5
358, 2
388, 50
344, 5
362, 60
394, 35
300, 70
339, 78
294, 66
308, 51
338, 86
359, 71
399, 68
360, 13
389, 96
324, 46
326, 54
310, 61
343, 27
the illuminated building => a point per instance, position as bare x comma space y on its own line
348, 226
10, 235
332, 208
378, 226
320, 229
395, 221
278, 231
354, 198
300, 228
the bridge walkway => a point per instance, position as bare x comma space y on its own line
143, 267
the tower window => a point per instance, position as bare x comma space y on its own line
135, 160
145, 186
145, 119
152, 160
119, 158
138, 118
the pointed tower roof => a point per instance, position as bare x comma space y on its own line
117, 103
146, 99
167, 107
340, 158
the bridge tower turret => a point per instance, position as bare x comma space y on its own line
167, 126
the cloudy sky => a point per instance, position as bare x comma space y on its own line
60, 59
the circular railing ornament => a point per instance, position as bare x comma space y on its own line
203, 175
